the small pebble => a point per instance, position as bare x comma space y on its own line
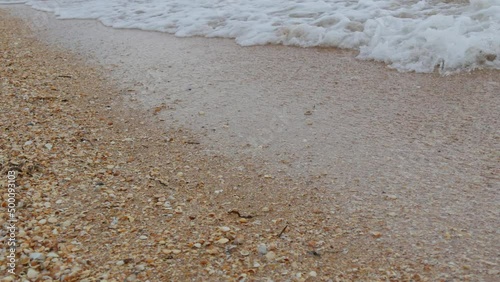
270, 256
52, 220
239, 240
262, 249
32, 274
37, 256
213, 251
391, 197
223, 241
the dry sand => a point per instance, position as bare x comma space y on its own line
378, 175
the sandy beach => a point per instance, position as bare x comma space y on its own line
146, 157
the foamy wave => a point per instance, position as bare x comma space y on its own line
419, 36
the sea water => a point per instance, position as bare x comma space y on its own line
409, 35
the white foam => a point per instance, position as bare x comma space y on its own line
408, 35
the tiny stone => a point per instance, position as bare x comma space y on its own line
265, 209
313, 274
490, 57
262, 249
52, 220
197, 245
212, 251
272, 246
32, 274
239, 240
225, 229
42, 221
143, 237
37, 256
270, 256
223, 241
120, 262
59, 202
391, 197
131, 278
48, 146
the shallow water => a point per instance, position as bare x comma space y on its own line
421, 36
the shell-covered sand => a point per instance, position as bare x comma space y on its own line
106, 194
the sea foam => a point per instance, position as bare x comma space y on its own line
420, 36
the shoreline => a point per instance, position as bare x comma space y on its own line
348, 217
